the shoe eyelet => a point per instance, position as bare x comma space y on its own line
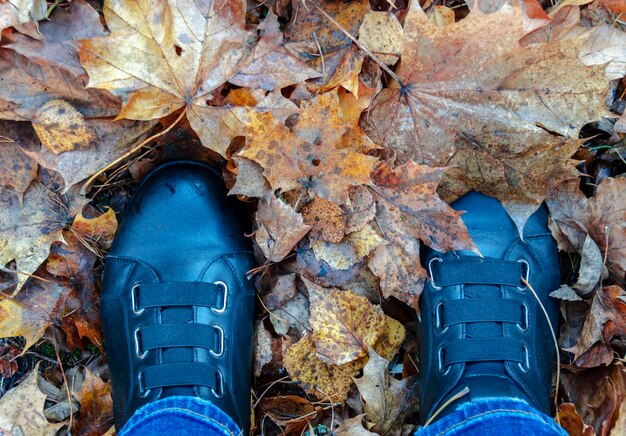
525, 366
141, 354
220, 333
143, 393
224, 286
438, 318
526, 273
133, 300
524, 325
430, 272
220, 385
444, 370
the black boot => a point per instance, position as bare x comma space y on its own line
177, 308
481, 328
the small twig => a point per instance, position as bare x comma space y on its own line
380, 63
91, 179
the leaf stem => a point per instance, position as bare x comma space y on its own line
129, 153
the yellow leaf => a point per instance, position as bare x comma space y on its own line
62, 128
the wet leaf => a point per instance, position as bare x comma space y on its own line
18, 169
387, 400
21, 409
312, 154
96, 406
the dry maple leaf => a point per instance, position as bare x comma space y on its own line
507, 116
28, 229
21, 409
344, 324
387, 400
290, 412
310, 32
572, 422
59, 34
18, 170
271, 65
311, 154
408, 204
33, 309
602, 216
280, 228
96, 406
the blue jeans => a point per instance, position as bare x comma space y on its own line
192, 416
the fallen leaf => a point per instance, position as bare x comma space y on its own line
262, 348
442, 16
592, 268
18, 170
271, 65
23, 15
27, 231
62, 128
59, 35
408, 204
326, 220
381, 33
21, 409
282, 291
310, 155
28, 86
33, 309
473, 98
387, 400
605, 319
312, 35
353, 427
96, 406
572, 422
250, 180
280, 228
113, 139
289, 411
602, 217
343, 323
360, 209
351, 250
598, 395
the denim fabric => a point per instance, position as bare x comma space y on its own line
180, 416
494, 417
193, 416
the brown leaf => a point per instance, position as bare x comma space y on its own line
62, 128
33, 309
475, 99
27, 232
360, 209
400, 272
326, 220
387, 400
271, 65
280, 228
96, 406
602, 217
344, 324
353, 427
21, 409
60, 34
606, 319
27, 86
311, 154
262, 348
282, 291
572, 422
23, 15
309, 31
289, 411
598, 395
18, 170
408, 204
112, 140
351, 250
250, 181
381, 33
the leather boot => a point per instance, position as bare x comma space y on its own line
481, 327
177, 308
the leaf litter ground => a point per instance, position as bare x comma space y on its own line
346, 128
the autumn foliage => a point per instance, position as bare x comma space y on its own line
347, 128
